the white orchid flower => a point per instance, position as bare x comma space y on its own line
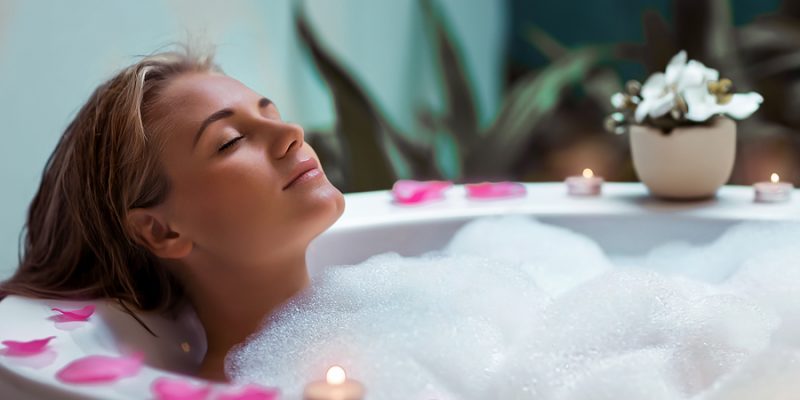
660, 92
689, 81
703, 105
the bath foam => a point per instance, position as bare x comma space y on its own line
478, 320
556, 258
394, 320
629, 333
717, 261
772, 279
772, 374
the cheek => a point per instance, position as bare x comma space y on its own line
227, 205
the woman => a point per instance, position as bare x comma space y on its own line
177, 182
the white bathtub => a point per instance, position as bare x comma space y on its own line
624, 221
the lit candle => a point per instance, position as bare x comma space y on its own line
336, 386
585, 185
774, 191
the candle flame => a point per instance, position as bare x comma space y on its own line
336, 375
775, 178
587, 173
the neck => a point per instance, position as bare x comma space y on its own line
231, 306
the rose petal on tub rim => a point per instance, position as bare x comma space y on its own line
495, 190
100, 369
406, 191
165, 388
251, 392
32, 347
81, 314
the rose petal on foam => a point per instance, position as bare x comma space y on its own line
251, 392
81, 314
100, 369
29, 348
179, 389
417, 192
495, 190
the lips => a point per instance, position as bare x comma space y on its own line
303, 169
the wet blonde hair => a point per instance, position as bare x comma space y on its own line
77, 242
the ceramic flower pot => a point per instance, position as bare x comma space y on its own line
688, 163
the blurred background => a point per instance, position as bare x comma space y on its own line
466, 90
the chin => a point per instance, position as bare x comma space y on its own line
329, 206
337, 205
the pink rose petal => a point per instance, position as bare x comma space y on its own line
418, 192
495, 190
100, 369
252, 392
179, 389
24, 349
81, 314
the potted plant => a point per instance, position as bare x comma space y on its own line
681, 128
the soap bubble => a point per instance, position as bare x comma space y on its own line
513, 308
557, 258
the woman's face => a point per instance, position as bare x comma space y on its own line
245, 188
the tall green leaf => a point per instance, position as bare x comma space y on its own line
447, 156
546, 44
462, 116
600, 83
362, 130
532, 99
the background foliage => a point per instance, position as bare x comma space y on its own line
550, 122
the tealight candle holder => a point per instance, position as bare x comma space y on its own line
773, 191
336, 386
584, 185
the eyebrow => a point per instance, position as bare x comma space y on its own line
221, 114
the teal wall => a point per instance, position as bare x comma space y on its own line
54, 53
583, 23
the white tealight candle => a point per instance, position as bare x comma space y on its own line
336, 386
773, 191
585, 185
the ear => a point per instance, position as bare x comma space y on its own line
151, 230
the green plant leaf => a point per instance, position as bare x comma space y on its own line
547, 44
600, 83
462, 115
363, 132
530, 101
428, 120
447, 156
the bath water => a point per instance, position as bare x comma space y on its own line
513, 308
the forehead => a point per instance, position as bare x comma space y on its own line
199, 94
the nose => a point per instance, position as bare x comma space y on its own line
288, 138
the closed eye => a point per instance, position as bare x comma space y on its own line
229, 144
